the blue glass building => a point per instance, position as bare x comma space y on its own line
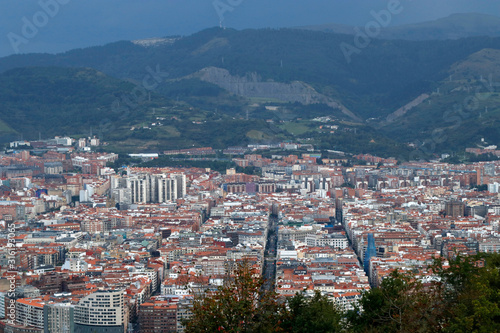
370, 252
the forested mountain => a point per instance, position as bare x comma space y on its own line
54, 100
461, 111
380, 85
379, 78
452, 27
48, 101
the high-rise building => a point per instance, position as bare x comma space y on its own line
117, 181
160, 188
181, 185
167, 189
184, 312
59, 317
370, 252
140, 187
102, 311
29, 312
123, 196
157, 316
170, 187
455, 209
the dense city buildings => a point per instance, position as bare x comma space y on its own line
88, 248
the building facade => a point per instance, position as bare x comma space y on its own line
102, 311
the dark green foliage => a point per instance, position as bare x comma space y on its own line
481, 188
312, 315
465, 298
362, 140
472, 294
240, 305
190, 88
382, 78
65, 101
400, 304
58, 101
123, 160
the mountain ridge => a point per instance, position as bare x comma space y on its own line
252, 86
383, 77
267, 64
454, 26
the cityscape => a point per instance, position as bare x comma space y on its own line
232, 166
86, 245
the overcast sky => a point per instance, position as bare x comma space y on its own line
82, 23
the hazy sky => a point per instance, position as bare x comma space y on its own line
81, 23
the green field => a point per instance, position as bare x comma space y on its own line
298, 128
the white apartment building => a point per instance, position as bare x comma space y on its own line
29, 312
102, 311
146, 188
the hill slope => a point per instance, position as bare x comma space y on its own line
462, 110
380, 78
274, 75
51, 101
452, 27
55, 101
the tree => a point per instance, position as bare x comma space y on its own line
312, 315
402, 303
472, 293
240, 305
464, 296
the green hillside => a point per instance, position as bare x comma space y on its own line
52, 101
452, 27
55, 101
461, 111
179, 110
381, 78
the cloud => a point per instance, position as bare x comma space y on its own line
82, 23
